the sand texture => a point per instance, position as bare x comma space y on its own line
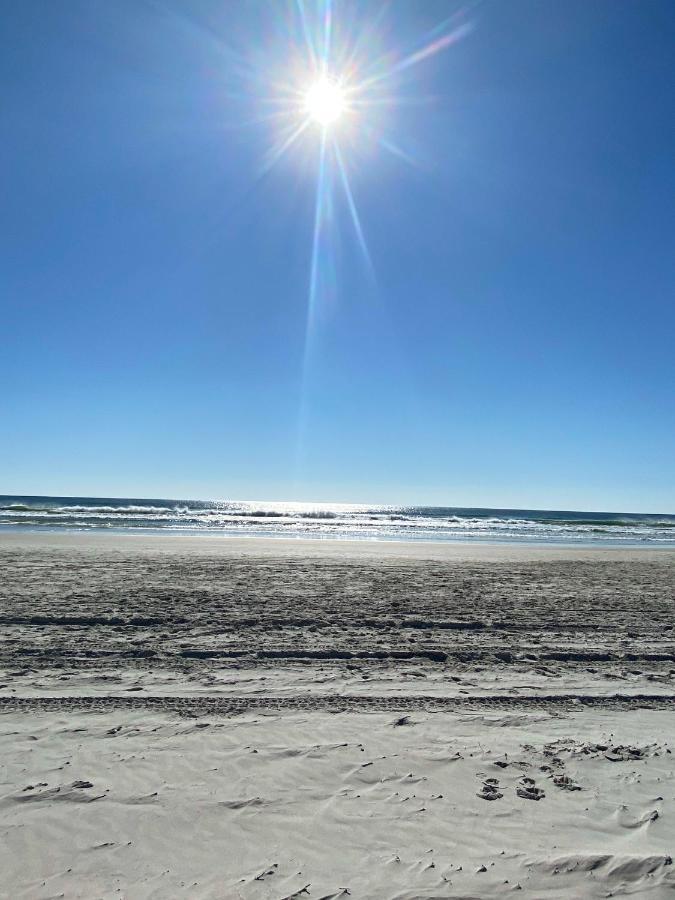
273, 719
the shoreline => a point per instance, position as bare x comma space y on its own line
330, 547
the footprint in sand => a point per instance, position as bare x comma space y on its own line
528, 790
566, 783
490, 790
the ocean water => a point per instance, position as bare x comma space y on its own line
334, 520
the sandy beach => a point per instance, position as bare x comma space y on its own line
274, 719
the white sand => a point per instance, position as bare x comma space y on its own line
222, 713
205, 808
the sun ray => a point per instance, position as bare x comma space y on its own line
277, 152
319, 213
434, 47
314, 281
395, 150
327, 32
418, 56
253, 121
307, 34
356, 221
365, 34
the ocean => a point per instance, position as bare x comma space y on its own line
334, 520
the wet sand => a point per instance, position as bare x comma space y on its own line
269, 718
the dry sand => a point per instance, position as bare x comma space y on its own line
275, 719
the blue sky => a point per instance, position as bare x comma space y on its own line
513, 344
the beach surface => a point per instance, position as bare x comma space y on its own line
252, 718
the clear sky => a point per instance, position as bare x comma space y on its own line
512, 342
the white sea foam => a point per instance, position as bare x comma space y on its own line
335, 520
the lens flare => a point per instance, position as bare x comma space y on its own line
331, 97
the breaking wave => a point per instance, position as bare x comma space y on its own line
335, 520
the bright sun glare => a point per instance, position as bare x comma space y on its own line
325, 102
340, 79
339, 82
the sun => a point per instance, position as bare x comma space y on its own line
325, 102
